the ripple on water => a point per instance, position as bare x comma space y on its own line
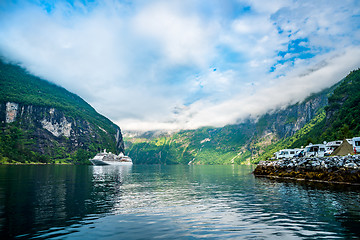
181, 202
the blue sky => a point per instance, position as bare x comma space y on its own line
156, 64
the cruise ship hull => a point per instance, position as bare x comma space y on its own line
104, 163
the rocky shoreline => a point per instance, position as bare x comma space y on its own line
344, 169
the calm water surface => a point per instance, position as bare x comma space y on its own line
170, 202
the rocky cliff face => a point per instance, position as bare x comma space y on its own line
52, 132
286, 122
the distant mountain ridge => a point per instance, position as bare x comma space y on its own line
40, 121
328, 115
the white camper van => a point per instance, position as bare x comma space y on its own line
331, 146
356, 144
315, 150
287, 153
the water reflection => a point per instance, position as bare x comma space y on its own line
32, 198
170, 202
335, 206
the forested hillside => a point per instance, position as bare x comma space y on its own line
338, 120
44, 122
208, 145
329, 115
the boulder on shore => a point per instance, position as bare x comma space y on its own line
333, 169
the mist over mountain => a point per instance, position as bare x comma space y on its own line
332, 114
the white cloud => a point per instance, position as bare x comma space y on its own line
182, 38
264, 6
150, 64
287, 90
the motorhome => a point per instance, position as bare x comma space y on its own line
356, 144
331, 146
287, 153
315, 150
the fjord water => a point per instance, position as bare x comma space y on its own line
170, 202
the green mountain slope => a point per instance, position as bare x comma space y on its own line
343, 111
16, 85
338, 120
329, 115
50, 123
205, 145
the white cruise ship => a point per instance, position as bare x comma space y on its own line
108, 158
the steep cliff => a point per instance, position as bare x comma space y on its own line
284, 123
43, 122
287, 121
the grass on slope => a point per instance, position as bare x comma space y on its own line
16, 85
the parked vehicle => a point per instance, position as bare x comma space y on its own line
287, 153
300, 153
315, 150
331, 146
356, 145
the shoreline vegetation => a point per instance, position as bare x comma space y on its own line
38, 163
6, 161
335, 169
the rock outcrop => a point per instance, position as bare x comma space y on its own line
55, 133
286, 122
333, 169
